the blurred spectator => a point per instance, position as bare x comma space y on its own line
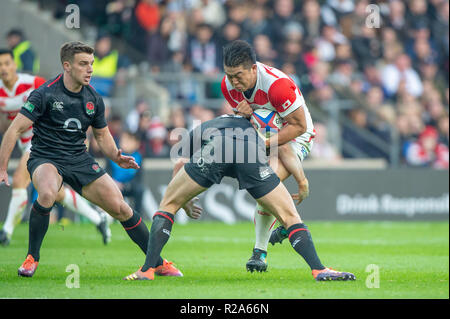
417, 14
212, 12
119, 14
323, 149
311, 20
443, 129
283, 12
265, 53
110, 67
133, 118
115, 126
129, 181
231, 31
330, 37
397, 18
342, 75
148, 15
350, 135
427, 150
203, 51
156, 136
24, 55
366, 46
401, 76
257, 23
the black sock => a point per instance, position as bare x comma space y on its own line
39, 220
137, 231
159, 235
301, 241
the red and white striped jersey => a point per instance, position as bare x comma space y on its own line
11, 101
274, 91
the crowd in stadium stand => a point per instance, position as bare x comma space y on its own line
396, 72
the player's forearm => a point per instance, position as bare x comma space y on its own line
107, 144
287, 134
178, 165
291, 162
7, 146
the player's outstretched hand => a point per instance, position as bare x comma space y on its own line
303, 191
126, 161
192, 210
4, 177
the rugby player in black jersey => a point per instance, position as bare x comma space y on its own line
61, 110
230, 146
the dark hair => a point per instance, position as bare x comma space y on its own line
15, 32
7, 51
238, 53
69, 49
135, 135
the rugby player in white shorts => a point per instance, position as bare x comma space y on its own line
249, 85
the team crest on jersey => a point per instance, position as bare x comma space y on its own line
96, 168
90, 108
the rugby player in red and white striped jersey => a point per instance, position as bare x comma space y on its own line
249, 85
14, 91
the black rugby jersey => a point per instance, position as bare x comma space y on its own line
237, 136
61, 118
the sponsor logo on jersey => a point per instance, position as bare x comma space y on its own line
90, 108
29, 107
264, 172
58, 106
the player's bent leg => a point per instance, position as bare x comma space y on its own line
77, 204
264, 222
19, 200
181, 189
104, 193
281, 205
47, 182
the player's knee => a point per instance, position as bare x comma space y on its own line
120, 210
47, 197
288, 217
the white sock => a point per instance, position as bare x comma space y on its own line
19, 200
77, 204
263, 227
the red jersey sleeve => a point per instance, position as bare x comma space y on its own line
282, 96
226, 94
38, 81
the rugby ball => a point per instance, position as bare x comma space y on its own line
266, 121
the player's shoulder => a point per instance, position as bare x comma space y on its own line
90, 92
50, 84
270, 76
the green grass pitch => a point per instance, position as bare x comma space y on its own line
413, 261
